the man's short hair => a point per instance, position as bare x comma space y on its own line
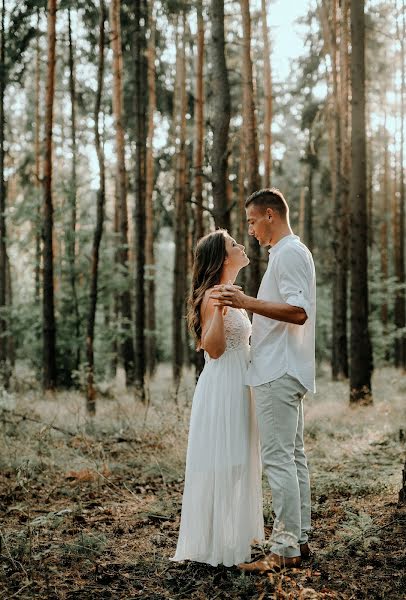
269, 198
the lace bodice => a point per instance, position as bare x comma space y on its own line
237, 327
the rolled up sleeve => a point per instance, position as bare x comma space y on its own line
295, 279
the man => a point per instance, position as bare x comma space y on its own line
281, 370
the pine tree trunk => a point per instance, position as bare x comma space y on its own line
400, 307
395, 220
370, 187
267, 99
199, 128
221, 112
141, 110
340, 337
188, 356
37, 152
198, 156
361, 351
150, 270
302, 204
242, 218
3, 266
179, 288
402, 491
71, 232
11, 355
385, 215
49, 327
251, 142
116, 299
198, 357
127, 348
90, 391
308, 209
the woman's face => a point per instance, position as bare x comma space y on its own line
236, 256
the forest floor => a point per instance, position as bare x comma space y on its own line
91, 510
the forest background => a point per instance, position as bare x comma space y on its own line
130, 128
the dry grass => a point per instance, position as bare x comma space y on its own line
94, 512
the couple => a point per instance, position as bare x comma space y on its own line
222, 500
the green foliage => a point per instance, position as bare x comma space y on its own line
19, 34
323, 324
85, 546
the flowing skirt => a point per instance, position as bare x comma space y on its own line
222, 499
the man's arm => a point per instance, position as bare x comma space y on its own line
278, 311
230, 295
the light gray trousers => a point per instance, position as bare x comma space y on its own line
279, 406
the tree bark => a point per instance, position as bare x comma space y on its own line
308, 201
150, 270
141, 110
400, 307
402, 491
251, 141
49, 327
242, 218
4, 369
221, 112
90, 391
179, 288
361, 351
37, 152
199, 128
385, 215
71, 232
127, 347
267, 99
198, 155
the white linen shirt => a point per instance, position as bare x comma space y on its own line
279, 348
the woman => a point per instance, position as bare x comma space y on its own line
222, 498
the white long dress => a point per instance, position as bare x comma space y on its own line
222, 498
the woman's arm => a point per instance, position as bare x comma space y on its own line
213, 336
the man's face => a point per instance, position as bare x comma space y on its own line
260, 224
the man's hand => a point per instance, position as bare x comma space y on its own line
229, 295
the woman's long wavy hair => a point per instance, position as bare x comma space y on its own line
210, 253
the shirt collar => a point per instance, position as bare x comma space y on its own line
282, 242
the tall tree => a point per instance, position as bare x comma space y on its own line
221, 112
49, 328
267, 98
179, 287
127, 347
141, 109
251, 139
3, 233
385, 212
150, 268
37, 152
310, 124
101, 194
199, 127
71, 229
361, 351
400, 306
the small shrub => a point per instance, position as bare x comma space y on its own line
85, 546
